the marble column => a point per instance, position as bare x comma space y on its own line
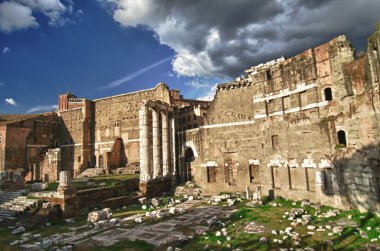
64, 178
157, 171
35, 172
144, 143
173, 145
165, 144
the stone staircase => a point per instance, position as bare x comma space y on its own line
13, 203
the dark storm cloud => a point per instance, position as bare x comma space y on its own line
221, 38
312, 4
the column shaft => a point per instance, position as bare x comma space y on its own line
144, 143
173, 145
35, 172
165, 144
157, 171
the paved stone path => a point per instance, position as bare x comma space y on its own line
166, 230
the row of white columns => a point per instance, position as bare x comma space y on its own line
162, 162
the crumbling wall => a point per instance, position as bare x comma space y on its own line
311, 130
27, 141
70, 137
118, 117
2, 147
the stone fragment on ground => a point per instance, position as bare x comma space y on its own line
18, 230
254, 228
104, 214
38, 187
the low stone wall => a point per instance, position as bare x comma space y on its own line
116, 196
99, 196
155, 188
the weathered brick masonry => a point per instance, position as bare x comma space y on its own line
306, 127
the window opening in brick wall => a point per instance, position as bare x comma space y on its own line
211, 174
328, 94
275, 142
342, 138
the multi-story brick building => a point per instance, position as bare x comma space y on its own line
306, 127
26, 143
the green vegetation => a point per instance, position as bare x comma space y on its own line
272, 218
360, 230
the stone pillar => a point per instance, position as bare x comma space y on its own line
35, 172
144, 143
173, 145
67, 195
165, 144
157, 171
64, 179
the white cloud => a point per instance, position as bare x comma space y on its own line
14, 16
6, 50
18, 14
10, 101
39, 108
133, 75
221, 38
209, 95
198, 84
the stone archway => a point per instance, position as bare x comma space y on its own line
189, 158
101, 162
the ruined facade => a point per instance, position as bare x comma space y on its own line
306, 127
27, 145
106, 133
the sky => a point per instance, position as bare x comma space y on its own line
99, 48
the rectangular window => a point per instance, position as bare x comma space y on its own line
275, 142
79, 158
254, 174
211, 174
188, 118
195, 117
286, 103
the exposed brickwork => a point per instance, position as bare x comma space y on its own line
300, 128
26, 140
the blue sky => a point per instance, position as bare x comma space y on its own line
98, 48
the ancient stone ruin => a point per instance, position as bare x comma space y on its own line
305, 127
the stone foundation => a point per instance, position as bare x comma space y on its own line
155, 187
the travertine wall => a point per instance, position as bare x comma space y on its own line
118, 117
281, 129
70, 137
89, 134
26, 142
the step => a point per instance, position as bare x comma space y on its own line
4, 213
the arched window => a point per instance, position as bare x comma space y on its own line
268, 75
101, 162
189, 155
342, 138
328, 94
